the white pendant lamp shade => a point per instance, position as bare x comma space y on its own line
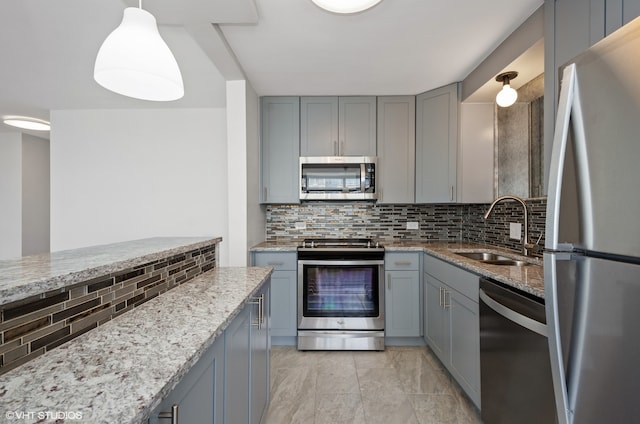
135, 61
346, 6
507, 96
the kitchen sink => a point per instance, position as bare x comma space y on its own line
490, 258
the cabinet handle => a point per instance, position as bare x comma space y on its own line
440, 297
451, 197
388, 281
446, 305
402, 263
264, 190
275, 263
335, 148
260, 302
173, 414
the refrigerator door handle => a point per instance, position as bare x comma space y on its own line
555, 341
558, 153
511, 315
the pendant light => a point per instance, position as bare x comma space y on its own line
135, 61
346, 6
507, 96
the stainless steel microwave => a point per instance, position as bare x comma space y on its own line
338, 178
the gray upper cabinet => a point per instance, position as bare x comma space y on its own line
338, 126
437, 144
396, 149
572, 26
280, 125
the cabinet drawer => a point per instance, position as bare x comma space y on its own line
458, 279
277, 261
401, 261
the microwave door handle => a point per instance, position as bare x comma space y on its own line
363, 176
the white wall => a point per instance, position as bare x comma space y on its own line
121, 175
10, 195
35, 195
246, 218
256, 214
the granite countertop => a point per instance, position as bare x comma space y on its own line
23, 277
527, 278
119, 372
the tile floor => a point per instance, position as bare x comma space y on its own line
402, 385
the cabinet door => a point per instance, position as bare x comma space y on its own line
465, 342
280, 149
284, 302
319, 126
357, 126
476, 171
237, 353
630, 10
402, 304
437, 145
259, 355
396, 149
435, 331
200, 394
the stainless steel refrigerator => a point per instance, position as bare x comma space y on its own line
592, 259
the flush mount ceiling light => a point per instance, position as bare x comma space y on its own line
27, 123
507, 96
346, 6
135, 61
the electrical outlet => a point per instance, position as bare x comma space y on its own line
515, 230
412, 225
301, 225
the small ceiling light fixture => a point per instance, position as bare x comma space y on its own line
346, 6
27, 123
507, 96
135, 61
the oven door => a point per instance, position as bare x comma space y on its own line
340, 295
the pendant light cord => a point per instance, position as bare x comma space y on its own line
139, 4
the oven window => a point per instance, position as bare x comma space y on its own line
340, 291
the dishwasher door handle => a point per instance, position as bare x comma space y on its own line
511, 315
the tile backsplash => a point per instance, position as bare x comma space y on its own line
436, 221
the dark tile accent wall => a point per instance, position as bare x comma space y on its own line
33, 326
436, 221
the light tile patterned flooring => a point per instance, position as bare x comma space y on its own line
401, 385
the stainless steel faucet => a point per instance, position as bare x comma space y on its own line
526, 246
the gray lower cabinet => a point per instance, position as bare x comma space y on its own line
247, 362
402, 295
452, 325
199, 397
259, 362
283, 298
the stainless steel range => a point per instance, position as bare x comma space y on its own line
340, 294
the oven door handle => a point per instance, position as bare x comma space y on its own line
511, 315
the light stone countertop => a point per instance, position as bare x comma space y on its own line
28, 276
120, 371
527, 278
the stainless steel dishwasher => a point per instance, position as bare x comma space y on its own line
515, 370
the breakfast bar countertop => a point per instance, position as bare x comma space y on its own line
120, 371
33, 275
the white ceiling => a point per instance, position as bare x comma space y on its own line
283, 47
